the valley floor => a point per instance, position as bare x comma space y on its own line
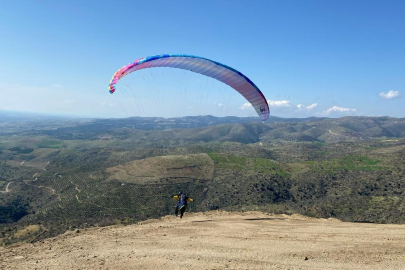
218, 240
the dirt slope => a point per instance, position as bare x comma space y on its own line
218, 240
158, 169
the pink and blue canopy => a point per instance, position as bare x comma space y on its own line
203, 66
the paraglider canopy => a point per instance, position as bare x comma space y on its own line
204, 66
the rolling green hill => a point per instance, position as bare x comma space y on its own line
106, 171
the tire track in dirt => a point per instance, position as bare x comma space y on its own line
7, 188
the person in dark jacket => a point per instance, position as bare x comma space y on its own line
182, 200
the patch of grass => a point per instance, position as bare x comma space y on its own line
350, 163
268, 166
27, 230
360, 160
311, 162
357, 163
377, 198
229, 166
318, 144
237, 160
261, 164
297, 167
49, 144
223, 161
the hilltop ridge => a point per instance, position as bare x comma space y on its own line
217, 240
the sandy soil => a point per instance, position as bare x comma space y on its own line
218, 240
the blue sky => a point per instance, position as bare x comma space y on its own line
309, 58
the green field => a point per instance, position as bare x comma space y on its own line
269, 167
223, 161
348, 163
49, 144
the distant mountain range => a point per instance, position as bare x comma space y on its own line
209, 128
234, 129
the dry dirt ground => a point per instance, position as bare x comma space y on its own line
218, 240
158, 169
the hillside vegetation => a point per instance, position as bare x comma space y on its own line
101, 172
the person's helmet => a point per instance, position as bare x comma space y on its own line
180, 192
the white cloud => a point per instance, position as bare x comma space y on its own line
272, 103
279, 103
310, 107
337, 109
221, 105
285, 108
390, 94
246, 106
